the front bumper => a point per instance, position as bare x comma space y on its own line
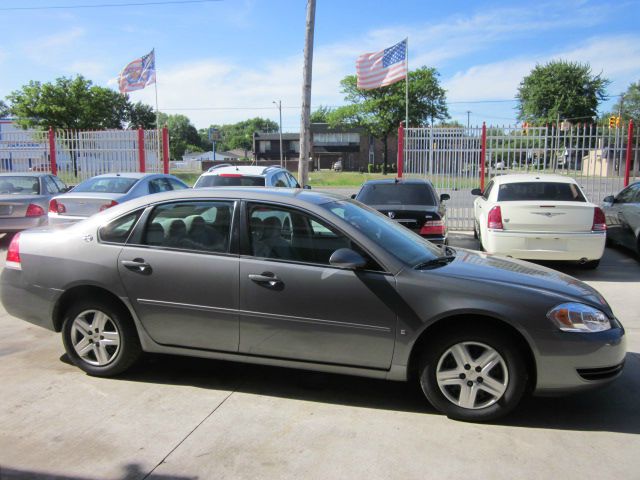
546, 246
17, 224
572, 362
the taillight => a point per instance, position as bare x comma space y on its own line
599, 221
13, 253
56, 207
432, 227
34, 210
231, 175
112, 203
494, 220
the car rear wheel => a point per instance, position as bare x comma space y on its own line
99, 337
591, 265
473, 375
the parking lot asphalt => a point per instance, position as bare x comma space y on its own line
181, 418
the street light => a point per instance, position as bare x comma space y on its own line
279, 104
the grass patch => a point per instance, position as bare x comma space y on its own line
187, 177
329, 178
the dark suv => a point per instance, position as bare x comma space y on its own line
413, 203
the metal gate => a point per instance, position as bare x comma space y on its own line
601, 159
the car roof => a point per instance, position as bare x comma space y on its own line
399, 181
24, 174
533, 177
136, 175
243, 169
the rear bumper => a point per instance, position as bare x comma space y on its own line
10, 225
546, 246
31, 303
580, 361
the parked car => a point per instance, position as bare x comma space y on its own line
622, 214
24, 198
413, 203
341, 289
105, 191
338, 166
246, 176
539, 217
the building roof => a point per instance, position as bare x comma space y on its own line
276, 136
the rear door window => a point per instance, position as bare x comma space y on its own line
200, 226
397, 194
158, 185
118, 230
540, 191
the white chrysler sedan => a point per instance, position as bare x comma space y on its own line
539, 217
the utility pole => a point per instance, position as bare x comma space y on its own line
279, 104
468, 118
305, 125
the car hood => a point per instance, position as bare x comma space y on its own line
470, 264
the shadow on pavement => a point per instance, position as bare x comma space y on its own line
131, 472
613, 408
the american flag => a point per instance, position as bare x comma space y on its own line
382, 68
138, 74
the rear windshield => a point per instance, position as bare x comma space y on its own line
229, 181
19, 185
397, 194
542, 191
106, 184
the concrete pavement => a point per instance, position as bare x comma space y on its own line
181, 418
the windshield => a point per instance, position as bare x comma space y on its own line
19, 185
106, 184
230, 180
540, 191
397, 194
399, 241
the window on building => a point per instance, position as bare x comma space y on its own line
265, 146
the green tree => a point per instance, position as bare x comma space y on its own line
560, 89
380, 111
238, 135
69, 103
320, 114
629, 104
141, 115
183, 136
5, 111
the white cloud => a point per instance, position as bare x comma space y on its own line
46, 49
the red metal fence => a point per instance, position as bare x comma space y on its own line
602, 159
76, 155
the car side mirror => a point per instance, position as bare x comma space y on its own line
610, 199
347, 258
476, 191
444, 197
307, 187
353, 195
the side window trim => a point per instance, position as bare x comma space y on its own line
245, 244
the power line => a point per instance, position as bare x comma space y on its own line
107, 5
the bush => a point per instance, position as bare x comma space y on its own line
371, 168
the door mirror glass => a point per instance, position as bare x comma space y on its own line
353, 195
347, 258
609, 199
444, 197
476, 191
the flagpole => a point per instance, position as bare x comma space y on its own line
155, 84
406, 83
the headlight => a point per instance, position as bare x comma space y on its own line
577, 317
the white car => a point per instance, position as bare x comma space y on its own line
539, 217
226, 175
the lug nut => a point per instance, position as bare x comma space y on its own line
467, 367
470, 383
478, 369
463, 376
479, 379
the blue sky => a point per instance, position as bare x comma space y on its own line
225, 61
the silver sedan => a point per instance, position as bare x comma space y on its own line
24, 199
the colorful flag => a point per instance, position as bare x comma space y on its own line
382, 68
138, 74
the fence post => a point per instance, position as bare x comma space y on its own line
400, 149
483, 154
165, 149
627, 166
52, 151
141, 158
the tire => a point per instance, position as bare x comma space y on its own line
591, 265
110, 350
509, 376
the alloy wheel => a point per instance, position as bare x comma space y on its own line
95, 337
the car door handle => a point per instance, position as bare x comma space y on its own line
137, 265
267, 279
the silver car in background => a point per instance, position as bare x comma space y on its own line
24, 199
307, 280
105, 191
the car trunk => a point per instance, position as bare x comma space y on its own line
530, 216
85, 204
15, 206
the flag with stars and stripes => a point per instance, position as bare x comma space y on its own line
138, 74
382, 68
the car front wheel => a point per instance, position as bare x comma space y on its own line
99, 337
475, 376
